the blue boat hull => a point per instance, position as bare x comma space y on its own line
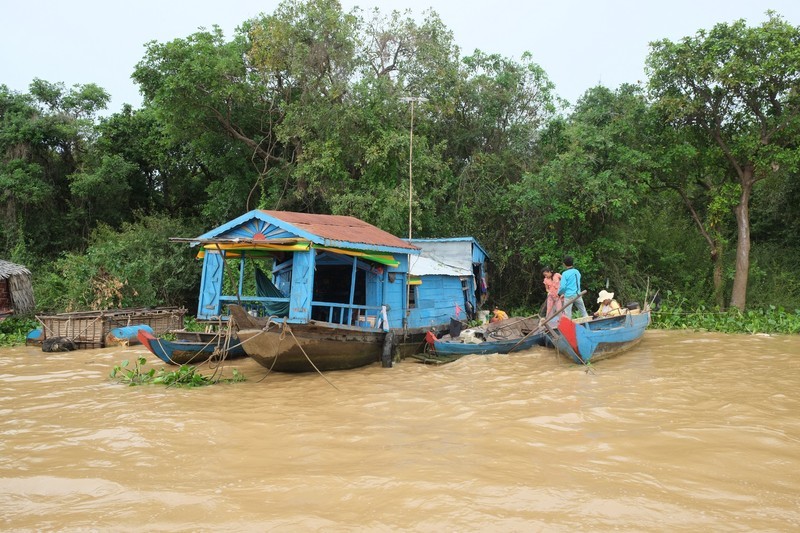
591, 341
456, 347
189, 352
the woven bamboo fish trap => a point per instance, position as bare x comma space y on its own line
89, 329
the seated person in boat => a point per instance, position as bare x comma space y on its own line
608, 305
498, 315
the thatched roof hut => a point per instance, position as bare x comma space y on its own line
16, 289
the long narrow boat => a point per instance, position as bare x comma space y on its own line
184, 352
511, 335
589, 340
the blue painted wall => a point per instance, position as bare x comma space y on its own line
208, 305
302, 286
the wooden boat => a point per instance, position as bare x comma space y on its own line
313, 346
512, 335
589, 340
183, 352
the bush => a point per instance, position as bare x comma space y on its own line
134, 267
14, 329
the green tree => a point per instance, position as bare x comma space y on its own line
591, 179
305, 95
215, 125
500, 109
44, 138
738, 85
690, 165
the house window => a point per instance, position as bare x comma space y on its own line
412, 296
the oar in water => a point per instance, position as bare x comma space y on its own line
554, 313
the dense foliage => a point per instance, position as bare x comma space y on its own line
14, 330
689, 187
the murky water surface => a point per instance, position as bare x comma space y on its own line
689, 431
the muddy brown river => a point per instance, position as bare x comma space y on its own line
687, 432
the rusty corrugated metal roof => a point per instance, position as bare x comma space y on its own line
342, 229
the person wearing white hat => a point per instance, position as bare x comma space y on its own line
608, 305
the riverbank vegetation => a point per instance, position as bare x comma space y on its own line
771, 320
686, 182
14, 330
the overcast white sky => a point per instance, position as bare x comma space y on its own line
578, 43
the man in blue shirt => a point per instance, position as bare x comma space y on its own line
570, 287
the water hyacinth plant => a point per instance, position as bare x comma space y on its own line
773, 320
185, 376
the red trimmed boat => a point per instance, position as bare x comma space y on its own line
586, 340
183, 352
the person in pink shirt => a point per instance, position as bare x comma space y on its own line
551, 283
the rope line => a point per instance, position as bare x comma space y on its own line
285, 327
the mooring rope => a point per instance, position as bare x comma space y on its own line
285, 327
190, 360
275, 352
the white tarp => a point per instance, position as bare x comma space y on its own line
425, 266
449, 258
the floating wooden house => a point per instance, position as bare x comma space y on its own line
337, 283
16, 289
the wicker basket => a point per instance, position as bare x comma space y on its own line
88, 329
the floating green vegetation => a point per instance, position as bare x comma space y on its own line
770, 320
185, 376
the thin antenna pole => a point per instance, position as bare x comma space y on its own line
412, 100
410, 159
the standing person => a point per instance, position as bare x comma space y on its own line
551, 282
570, 287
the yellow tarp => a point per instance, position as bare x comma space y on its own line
233, 250
384, 259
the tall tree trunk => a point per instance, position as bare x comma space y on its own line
739, 292
716, 259
714, 244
